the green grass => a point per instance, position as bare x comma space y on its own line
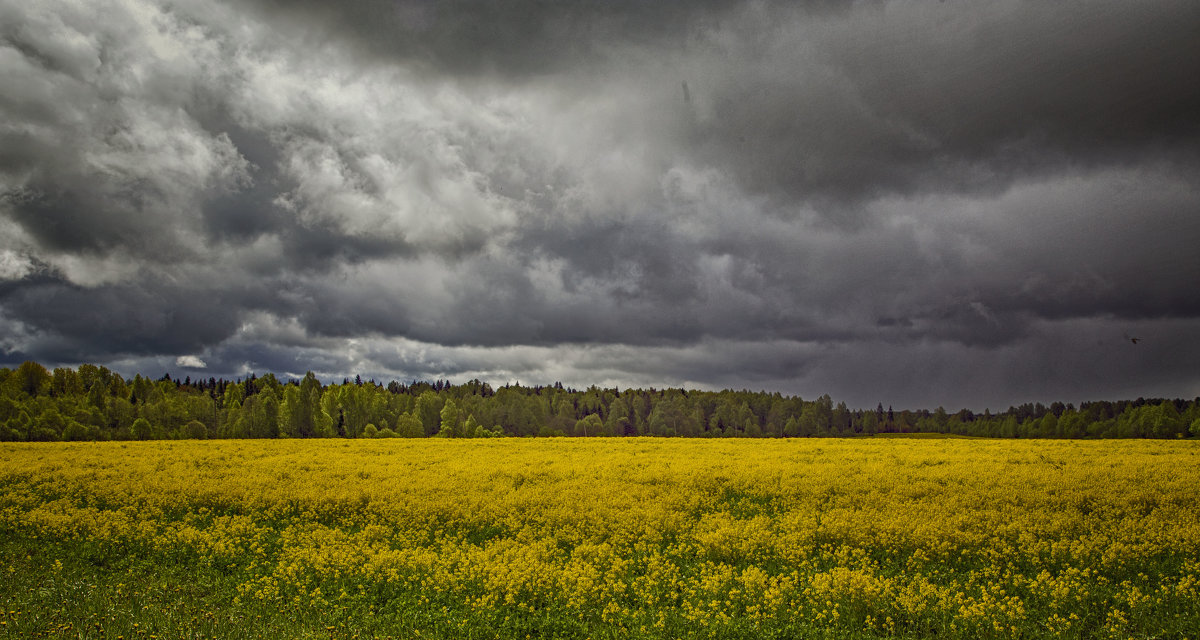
72, 590
64, 590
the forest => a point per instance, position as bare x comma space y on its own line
94, 403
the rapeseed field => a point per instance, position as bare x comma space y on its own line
601, 538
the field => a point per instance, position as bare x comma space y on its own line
601, 538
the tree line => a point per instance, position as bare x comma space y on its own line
95, 403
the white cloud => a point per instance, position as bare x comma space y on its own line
14, 266
190, 362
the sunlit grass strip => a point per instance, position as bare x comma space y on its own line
652, 538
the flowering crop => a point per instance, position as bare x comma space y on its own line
652, 538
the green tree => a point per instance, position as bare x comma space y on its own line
142, 389
671, 415
813, 420
97, 395
235, 394
76, 432
1165, 421
870, 423
300, 414
32, 379
65, 382
260, 415
841, 420
429, 410
361, 405
449, 420
617, 423
562, 410
19, 427
195, 430
590, 425
470, 426
409, 426
141, 429
49, 425
331, 405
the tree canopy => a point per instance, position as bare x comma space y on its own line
94, 403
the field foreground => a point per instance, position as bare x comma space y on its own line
600, 538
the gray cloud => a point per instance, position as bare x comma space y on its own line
147, 316
916, 203
511, 39
952, 97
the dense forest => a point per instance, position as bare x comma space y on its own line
94, 403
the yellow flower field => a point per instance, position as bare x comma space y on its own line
640, 537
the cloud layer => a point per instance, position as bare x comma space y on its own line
919, 203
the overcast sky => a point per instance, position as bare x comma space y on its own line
957, 203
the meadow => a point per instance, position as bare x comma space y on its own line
600, 538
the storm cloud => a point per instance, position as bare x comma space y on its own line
915, 203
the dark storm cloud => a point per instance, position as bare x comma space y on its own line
1116, 244
909, 202
521, 38
811, 102
952, 97
77, 219
100, 321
